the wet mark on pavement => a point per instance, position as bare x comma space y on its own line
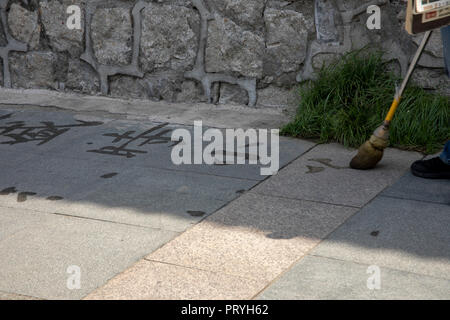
196, 213
22, 196
8, 191
155, 135
236, 156
109, 175
54, 198
315, 169
375, 233
325, 162
19, 132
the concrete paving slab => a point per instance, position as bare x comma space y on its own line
110, 191
35, 259
49, 167
40, 166
290, 149
323, 174
10, 160
162, 210
49, 183
187, 183
255, 236
92, 147
400, 234
414, 188
88, 142
12, 221
329, 279
139, 196
158, 281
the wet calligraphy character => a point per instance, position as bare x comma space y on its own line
19, 132
151, 136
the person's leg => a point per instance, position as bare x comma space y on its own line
445, 155
435, 168
445, 32
438, 167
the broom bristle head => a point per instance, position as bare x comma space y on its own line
367, 157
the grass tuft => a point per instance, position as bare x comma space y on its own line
351, 97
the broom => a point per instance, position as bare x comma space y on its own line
371, 152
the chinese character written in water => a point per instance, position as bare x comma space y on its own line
18, 132
150, 136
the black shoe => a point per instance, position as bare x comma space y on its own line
431, 169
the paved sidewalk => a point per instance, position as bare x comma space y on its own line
310, 232
404, 233
99, 192
142, 228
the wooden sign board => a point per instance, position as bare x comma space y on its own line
424, 15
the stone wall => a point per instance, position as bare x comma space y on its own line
250, 52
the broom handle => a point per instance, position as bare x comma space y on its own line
399, 93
